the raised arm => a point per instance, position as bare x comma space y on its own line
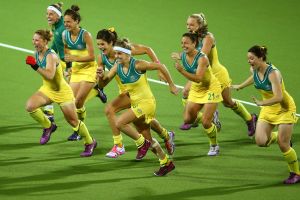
144, 66
105, 78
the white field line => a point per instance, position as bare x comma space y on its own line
149, 79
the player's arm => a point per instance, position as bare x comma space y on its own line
203, 63
208, 43
249, 81
142, 65
49, 71
105, 78
139, 49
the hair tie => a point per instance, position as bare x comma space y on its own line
111, 29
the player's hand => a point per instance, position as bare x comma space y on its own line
174, 90
256, 101
30, 60
235, 87
175, 56
100, 72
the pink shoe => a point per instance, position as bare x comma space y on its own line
185, 126
142, 151
116, 151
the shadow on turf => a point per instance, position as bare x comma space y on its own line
203, 192
55, 181
17, 128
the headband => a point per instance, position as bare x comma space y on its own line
58, 12
127, 51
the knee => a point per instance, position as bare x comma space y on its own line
206, 123
228, 104
79, 103
109, 110
261, 142
30, 107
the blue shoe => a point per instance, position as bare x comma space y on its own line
74, 137
101, 94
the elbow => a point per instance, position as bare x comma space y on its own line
279, 99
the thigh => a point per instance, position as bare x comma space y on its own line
37, 100
191, 110
120, 103
263, 132
84, 90
126, 118
208, 111
69, 111
227, 99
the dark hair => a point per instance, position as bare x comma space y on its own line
201, 20
259, 51
58, 6
123, 43
193, 37
108, 35
74, 13
45, 34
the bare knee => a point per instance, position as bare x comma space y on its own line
261, 142
109, 110
30, 106
206, 123
79, 103
228, 103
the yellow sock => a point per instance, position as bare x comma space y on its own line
291, 158
212, 134
81, 112
199, 118
48, 109
242, 111
164, 134
84, 132
184, 101
118, 140
273, 139
91, 94
164, 161
139, 142
41, 118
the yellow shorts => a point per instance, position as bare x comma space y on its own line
65, 94
222, 75
83, 72
144, 108
211, 95
286, 117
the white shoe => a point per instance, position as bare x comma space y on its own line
213, 150
116, 151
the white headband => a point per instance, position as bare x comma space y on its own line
55, 10
127, 51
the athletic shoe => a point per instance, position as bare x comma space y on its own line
164, 169
169, 144
116, 151
74, 137
292, 179
213, 150
142, 151
216, 121
185, 126
47, 133
89, 149
252, 125
101, 94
